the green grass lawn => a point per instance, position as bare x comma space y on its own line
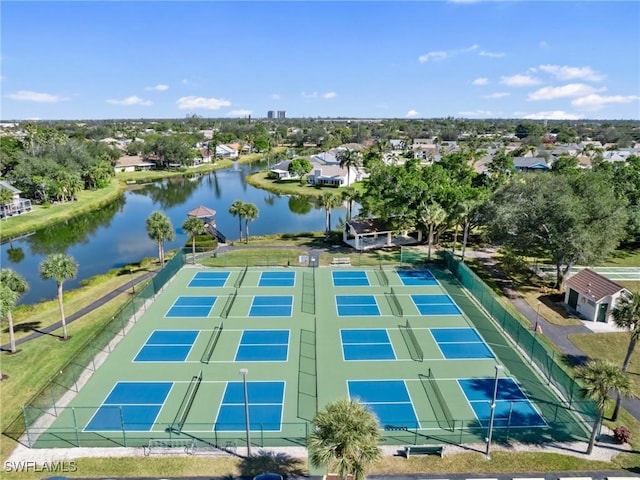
291, 187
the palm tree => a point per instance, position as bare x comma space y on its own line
599, 378
159, 229
626, 314
349, 158
328, 201
432, 215
250, 212
236, 209
8, 299
349, 195
193, 226
19, 286
60, 267
345, 438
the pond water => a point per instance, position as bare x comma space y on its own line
116, 235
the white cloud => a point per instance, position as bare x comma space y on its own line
158, 88
595, 101
185, 81
275, 96
132, 100
412, 113
29, 96
432, 56
565, 72
477, 113
543, 44
480, 81
192, 102
569, 90
497, 95
329, 95
484, 53
309, 95
519, 80
239, 113
552, 115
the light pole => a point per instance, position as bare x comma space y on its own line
243, 372
499, 368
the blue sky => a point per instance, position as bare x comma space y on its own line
472, 59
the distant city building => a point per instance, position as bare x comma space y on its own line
282, 114
270, 114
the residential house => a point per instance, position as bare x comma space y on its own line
592, 295
17, 205
132, 163
530, 164
224, 151
334, 175
280, 171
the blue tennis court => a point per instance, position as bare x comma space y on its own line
191, 306
461, 343
416, 277
513, 408
263, 346
388, 399
366, 344
265, 400
209, 279
132, 406
277, 279
435, 305
167, 346
351, 278
357, 305
271, 306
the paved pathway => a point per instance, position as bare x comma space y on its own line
558, 334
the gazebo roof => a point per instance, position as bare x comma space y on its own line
201, 212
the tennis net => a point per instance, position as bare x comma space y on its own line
438, 403
211, 345
411, 340
227, 306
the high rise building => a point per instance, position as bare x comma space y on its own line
270, 114
282, 114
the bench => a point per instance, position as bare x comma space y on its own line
423, 450
346, 261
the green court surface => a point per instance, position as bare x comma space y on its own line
409, 342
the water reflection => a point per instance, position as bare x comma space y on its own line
115, 234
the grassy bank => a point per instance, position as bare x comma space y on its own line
41, 216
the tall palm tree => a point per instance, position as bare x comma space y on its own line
349, 195
194, 227
236, 209
18, 285
345, 438
432, 216
8, 299
159, 229
626, 314
349, 158
599, 377
250, 212
328, 201
60, 267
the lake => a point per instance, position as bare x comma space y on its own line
115, 235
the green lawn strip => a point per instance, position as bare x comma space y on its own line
291, 187
37, 361
26, 318
501, 462
41, 216
610, 346
255, 256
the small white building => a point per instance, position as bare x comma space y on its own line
592, 296
17, 205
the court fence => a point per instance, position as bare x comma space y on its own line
48, 402
548, 361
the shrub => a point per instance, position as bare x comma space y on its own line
622, 434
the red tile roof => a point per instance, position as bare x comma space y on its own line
592, 285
